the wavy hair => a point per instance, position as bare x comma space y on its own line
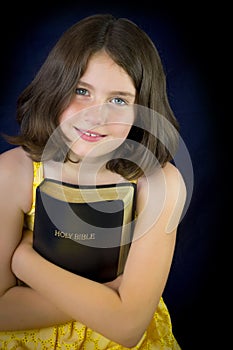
42, 102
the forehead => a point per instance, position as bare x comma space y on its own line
103, 69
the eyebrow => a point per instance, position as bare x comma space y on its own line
115, 92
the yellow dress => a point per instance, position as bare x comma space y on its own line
75, 335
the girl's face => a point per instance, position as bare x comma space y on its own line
100, 114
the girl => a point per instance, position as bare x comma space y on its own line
102, 90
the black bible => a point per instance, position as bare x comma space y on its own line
85, 229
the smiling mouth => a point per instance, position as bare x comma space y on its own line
88, 135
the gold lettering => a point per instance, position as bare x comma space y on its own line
74, 236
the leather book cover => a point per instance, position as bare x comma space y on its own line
86, 230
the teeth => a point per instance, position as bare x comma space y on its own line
89, 134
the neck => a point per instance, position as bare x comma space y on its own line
85, 171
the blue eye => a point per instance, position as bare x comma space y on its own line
118, 101
81, 91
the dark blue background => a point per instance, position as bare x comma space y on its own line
191, 43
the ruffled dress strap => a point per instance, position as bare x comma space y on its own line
38, 175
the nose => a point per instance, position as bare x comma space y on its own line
95, 115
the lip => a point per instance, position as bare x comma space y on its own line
89, 135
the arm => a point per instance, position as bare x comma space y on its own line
21, 307
124, 314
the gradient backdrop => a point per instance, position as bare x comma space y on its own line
191, 44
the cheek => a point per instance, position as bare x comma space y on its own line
121, 124
120, 131
67, 115
71, 111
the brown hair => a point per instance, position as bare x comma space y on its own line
40, 105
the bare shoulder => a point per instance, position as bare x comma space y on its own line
16, 174
174, 180
15, 159
169, 177
162, 194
